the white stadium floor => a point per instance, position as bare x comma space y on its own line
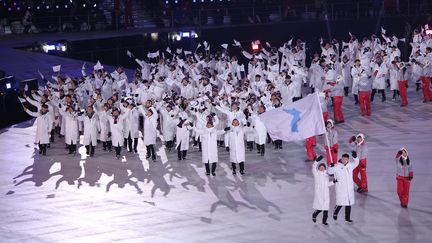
178, 203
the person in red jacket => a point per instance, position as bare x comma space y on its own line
359, 146
332, 135
310, 144
404, 175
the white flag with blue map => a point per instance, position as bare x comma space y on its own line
296, 121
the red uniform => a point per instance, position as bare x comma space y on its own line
404, 174
427, 95
361, 150
310, 144
337, 109
364, 101
403, 92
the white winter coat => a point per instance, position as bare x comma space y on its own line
321, 190
91, 129
182, 137
209, 144
345, 184
117, 137
236, 144
260, 130
43, 126
71, 127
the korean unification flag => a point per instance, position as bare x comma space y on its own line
296, 121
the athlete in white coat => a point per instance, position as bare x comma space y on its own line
71, 128
237, 146
150, 130
209, 146
343, 174
321, 202
91, 130
182, 138
116, 122
44, 125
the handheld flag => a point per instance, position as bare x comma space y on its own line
296, 121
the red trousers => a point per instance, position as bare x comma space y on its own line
403, 188
403, 92
427, 95
325, 116
310, 143
334, 155
361, 169
337, 108
364, 101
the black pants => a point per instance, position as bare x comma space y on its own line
135, 143
325, 215
356, 99
346, 89
395, 93
261, 149
72, 148
52, 135
151, 152
181, 154
249, 145
380, 91
347, 212
213, 168
117, 150
241, 165
170, 145
42, 148
90, 149
278, 144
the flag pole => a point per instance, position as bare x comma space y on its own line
326, 135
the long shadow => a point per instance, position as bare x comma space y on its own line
39, 171
249, 192
184, 169
155, 174
121, 177
222, 186
70, 172
92, 173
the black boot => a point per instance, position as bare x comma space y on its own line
213, 169
179, 154
135, 145
104, 145
184, 152
92, 151
242, 168
233, 165
258, 148
262, 149
346, 91
87, 147
207, 168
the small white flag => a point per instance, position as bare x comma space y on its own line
403, 39
26, 87
268, 44
168, 50
41, 75
129, 54
205, 44
224, 46
236, 43
383, 31
247, 55
187, 53
56, 68
22, 100
179, 51
98, 66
